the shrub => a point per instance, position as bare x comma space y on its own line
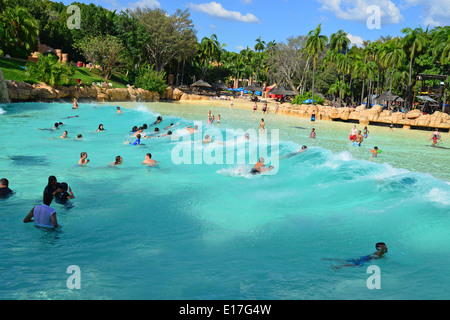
307, 95
149, 79
49, 70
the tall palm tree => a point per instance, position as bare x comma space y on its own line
393, 56
209, 50
340, 42
441, 44
259, 47
315, 43
414, 42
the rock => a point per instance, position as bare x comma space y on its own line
414, 114
176, 94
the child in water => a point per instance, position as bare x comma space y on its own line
381, 250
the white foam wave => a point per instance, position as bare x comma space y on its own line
239, 171
2, 111
439, 195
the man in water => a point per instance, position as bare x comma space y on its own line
75, 103
64, 136
148, 160
118, 110
192, 130
53, 186
65, 194
359, 139
260, 167
5, 191
381, 250
44, 216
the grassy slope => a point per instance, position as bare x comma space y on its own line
13, 70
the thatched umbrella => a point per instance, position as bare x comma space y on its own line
220, 86
201, 84
282, 91
253, 88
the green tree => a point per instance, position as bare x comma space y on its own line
106, 51
149, 79
316, 43
19, 31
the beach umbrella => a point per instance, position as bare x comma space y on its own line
253, 88
201, 84
219, 86
282, 91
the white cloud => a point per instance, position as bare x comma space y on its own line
434, 12
240, 48
356, 40
356, 10
216, 10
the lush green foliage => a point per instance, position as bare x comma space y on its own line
149, 79
306, 96
49, 71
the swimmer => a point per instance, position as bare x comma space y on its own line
80, 136
64, 136
218, 119
192, 130
118, 110
158, 120
75, 103
304, 148
207, 139
136, 142
65, 194
140, 130
169, 127
261, 126
83, 159
353, 133
358, 139
134, 129
43, 215
5, 191
313, 133
148, 160
55, 127
366, 132
313, 117
381, 250
53, 187
435, 136
260, 167
375, 151
100, 128
118, 161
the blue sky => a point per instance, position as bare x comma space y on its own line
238, 23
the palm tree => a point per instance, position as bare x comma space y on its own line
340, 42
316, 43
259, 47
209, 49
344, 64
414, 42
20, 28
441, 44
392, 56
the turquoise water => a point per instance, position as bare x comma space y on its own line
214, 231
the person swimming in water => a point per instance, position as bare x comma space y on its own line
207, 139
136, 142
358, 139
381, 251
191, 129
158, 120
260, 167
366, 132
118, 161
64, 135
149, 161
313, 133
5, 191
375, 151
435, 136
75, 103
118, 110
65, 194
83, 159
100, 128
43, 215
